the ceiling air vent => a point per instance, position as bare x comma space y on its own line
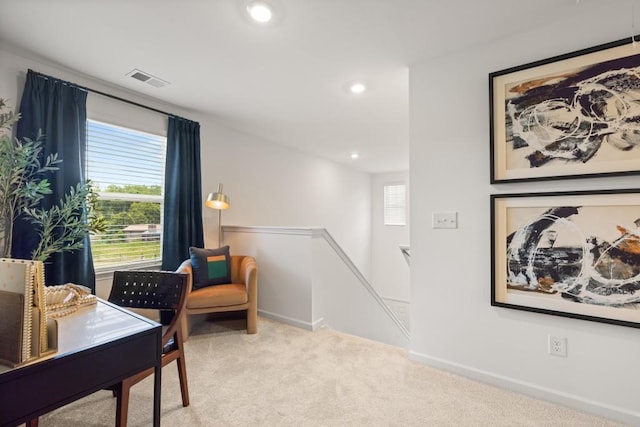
147, 78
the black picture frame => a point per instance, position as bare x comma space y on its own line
569, 116
572, 254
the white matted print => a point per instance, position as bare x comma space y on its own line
576, 115
574, 254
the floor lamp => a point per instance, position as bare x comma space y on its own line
219, 201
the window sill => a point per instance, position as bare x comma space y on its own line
107, 272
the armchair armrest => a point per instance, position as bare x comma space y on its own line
249, 275
249, 271
186, 268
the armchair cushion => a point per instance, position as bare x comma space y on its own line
218, 296
210, 266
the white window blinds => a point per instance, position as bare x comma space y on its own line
395, 204
126, 167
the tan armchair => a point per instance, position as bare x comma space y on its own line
240, 294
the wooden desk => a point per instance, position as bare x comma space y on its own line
98, 346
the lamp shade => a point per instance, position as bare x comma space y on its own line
217, 200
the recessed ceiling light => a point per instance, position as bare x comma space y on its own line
260, 12
357, 88
354, 156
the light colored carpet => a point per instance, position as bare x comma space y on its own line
286, 376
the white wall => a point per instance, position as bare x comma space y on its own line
452, 322
271, 185
303, 280
343, 303
268, 183
389, 270
285, 263
13, 70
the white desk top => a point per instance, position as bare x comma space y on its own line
91, 326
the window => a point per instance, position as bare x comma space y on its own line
126, 167
395, 204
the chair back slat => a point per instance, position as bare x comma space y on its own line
159, 290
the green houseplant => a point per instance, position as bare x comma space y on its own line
23, 185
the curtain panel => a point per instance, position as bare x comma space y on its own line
183, 193
58, 110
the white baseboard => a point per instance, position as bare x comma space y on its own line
291, 321
535, 391
319, 323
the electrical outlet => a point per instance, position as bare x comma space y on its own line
557, 346
445, 220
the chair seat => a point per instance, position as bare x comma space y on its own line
218, 295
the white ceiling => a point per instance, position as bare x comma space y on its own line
286, 81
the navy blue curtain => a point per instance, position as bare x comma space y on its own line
182, 193
59, 110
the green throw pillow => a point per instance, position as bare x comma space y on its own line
210, 266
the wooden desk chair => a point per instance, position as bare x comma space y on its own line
159, 290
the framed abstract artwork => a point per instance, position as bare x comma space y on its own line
572, 254
574, 115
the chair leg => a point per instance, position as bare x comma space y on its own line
33, 422
252, 321
182, 371
122, 404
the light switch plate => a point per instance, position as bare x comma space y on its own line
445, 219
